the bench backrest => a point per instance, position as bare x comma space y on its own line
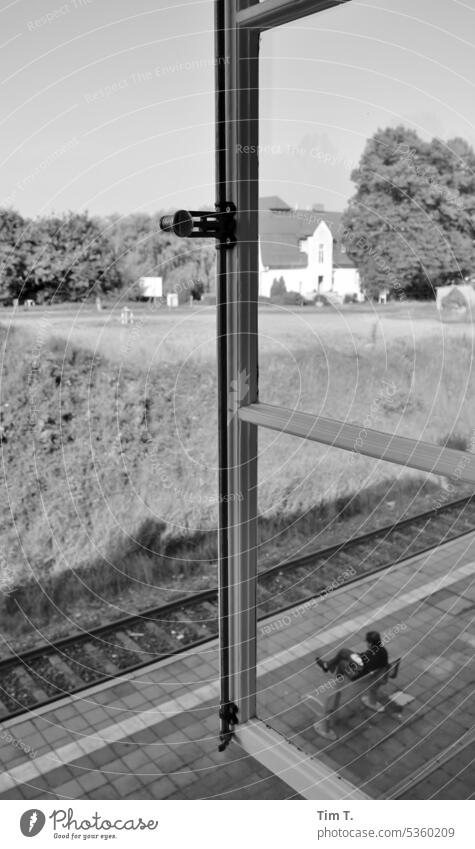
387, 672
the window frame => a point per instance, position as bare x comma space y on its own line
239, 27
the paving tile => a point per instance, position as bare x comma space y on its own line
61, 775
12, 755
162, 788
90, 781
96, 717
64, 712
76, 723
21, 729
15, 793
36, 741
113, 768
104, 697
107, 791
145, 737
71, 789
56, 735
100, 757
135, 760
36, 790
136, 700
183, 778
127, 784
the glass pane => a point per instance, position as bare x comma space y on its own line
108, 408
371, 256
392, 711
366, 316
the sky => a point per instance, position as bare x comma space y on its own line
108, 106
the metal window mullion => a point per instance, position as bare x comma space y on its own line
222, 366
242, 285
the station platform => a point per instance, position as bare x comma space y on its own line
424, 609
153, 735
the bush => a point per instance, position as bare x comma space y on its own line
197, 290
294, 299
350, 299
291, 299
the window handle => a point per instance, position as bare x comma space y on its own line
201, 224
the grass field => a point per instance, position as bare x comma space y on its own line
109, 451
163, 335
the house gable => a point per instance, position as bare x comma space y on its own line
304, 247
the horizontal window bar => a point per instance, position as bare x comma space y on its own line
274, 13
373, 443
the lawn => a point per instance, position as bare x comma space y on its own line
160, 334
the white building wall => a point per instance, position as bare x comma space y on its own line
295, 279
319, 275
346, 281
319, 248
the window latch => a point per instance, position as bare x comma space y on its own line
192, 224
228, 716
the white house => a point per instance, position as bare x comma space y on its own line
303, 247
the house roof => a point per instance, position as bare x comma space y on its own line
282, 228
273, 202
279, 237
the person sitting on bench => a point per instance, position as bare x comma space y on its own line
354, 665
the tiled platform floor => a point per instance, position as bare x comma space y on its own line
426, 607
153, 735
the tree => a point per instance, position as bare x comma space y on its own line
206, 265
410, 225
278, 288
141, 249
71, 256
182, 281
135, 242
13, 267
89, 259
48, 261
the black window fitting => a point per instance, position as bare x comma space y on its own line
192, 224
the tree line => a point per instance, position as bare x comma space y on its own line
409, 228
74, 256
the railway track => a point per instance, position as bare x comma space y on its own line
52, 671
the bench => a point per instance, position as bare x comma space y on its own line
365, 689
